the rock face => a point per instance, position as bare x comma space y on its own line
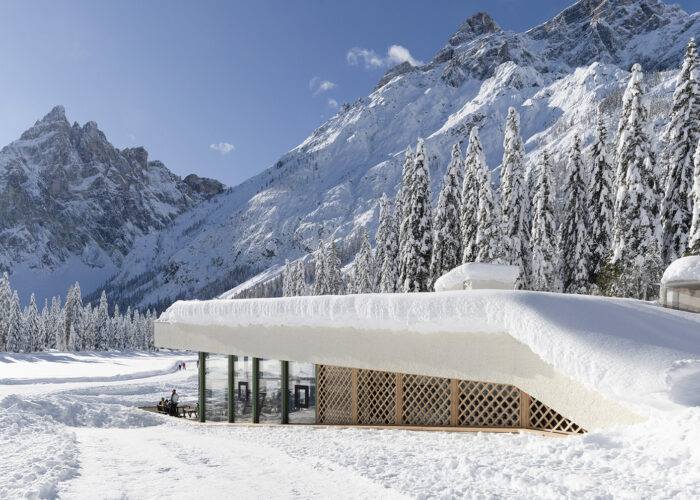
557, 75
68, 197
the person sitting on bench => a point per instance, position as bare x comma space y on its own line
174, 398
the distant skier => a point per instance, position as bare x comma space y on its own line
184, 366
174, 398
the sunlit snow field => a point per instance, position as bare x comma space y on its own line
70, 428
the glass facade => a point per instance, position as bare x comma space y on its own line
243, 388
302, 393
300, 386
270, 391
216, 388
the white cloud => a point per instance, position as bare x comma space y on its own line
396, 54
222, 147
318, 85
332, 103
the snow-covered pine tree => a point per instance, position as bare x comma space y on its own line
150, 330
681, 140
88, 325
636, 263
387, 248
287, 280
74, 318
363, 275
299, 280
694, 237
334, 278
128, 330
102, 324
387, 261
16, 333
544, 262
320, 287
45, 323
573, 248
117, 339
489, 234
72, 313
5, 302
402, 203
418, 224
447, 242
56, 324
474, 166
514, 199
32, 326
137, 332
600, 202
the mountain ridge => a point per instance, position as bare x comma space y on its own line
70, 198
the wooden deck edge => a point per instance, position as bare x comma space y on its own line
496, 430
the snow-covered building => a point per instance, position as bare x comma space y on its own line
472, 359
478, 276
680, 285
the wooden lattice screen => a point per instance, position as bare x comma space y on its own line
369, 397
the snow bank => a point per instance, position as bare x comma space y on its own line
631, 351
683, 269
47, 452
476, 271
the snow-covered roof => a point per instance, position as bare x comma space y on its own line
476, 271
639, 355
683, 269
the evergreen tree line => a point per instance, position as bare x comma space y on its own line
71, 326
624, 211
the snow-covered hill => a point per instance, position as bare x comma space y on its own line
556, 75
72, 205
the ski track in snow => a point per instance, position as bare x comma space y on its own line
91, 441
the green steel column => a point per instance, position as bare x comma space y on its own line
256, 390
231, 389
202, 386
284, 382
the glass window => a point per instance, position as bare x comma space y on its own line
243, 388
270, 395
302, 393
216, 388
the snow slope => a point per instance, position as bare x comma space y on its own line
555, 75
62, 445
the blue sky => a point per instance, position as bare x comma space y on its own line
222, 89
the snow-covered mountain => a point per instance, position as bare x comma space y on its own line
557, 75
72, 205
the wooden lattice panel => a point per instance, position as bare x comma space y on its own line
334, 395
544, 418
483, 404
427, 401
376, 397
349, 396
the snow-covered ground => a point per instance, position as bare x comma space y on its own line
81, 436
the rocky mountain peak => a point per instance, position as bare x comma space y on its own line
478, 24
57, 114
68, 197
